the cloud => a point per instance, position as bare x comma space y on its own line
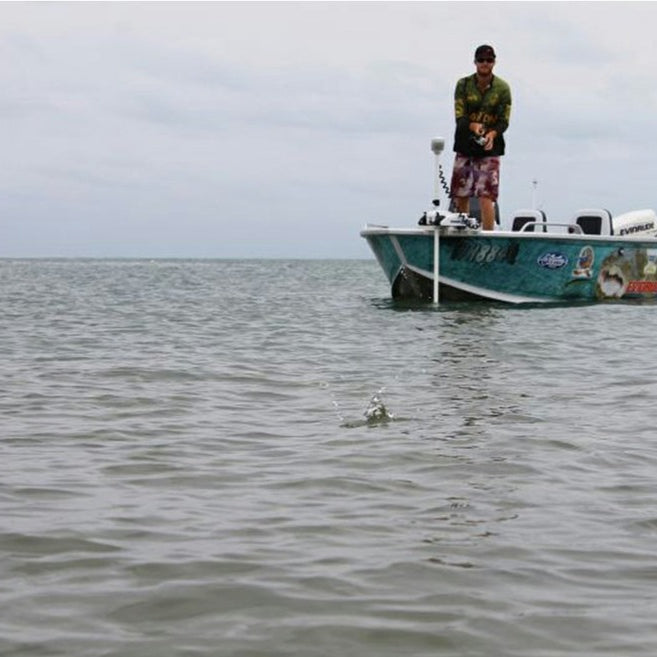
237, 129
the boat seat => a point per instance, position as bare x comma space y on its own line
594, 222
522, 217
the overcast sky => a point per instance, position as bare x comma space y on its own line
279, 129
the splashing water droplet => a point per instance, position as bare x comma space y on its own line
376, 412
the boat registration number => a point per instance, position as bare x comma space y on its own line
483, 252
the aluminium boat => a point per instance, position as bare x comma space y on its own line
593, 256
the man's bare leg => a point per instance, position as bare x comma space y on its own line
487, 206
462, 204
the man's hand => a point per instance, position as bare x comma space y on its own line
477, 128
490, 139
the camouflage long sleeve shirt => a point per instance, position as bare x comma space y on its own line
492, 108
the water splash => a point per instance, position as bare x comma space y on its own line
375, 415
376, 412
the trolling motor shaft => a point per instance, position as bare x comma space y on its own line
437, 146
434, 216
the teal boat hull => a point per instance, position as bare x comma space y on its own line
514, 267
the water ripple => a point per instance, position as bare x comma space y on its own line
247, 458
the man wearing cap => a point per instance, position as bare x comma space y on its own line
482, 104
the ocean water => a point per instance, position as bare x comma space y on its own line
271, 458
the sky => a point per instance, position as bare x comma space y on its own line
279, 129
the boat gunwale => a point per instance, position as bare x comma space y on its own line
375, 229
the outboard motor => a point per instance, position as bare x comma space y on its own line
637, 222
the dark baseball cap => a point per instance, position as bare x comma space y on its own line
484, 51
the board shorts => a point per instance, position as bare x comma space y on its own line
476, 176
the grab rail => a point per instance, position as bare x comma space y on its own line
572, 228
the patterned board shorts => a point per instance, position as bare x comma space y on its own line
476, 176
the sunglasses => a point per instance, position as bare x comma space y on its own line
487, 60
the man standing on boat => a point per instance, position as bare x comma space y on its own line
482, 104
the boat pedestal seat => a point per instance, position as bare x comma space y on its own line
594, 221
522, 217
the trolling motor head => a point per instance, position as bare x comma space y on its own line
437, 145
